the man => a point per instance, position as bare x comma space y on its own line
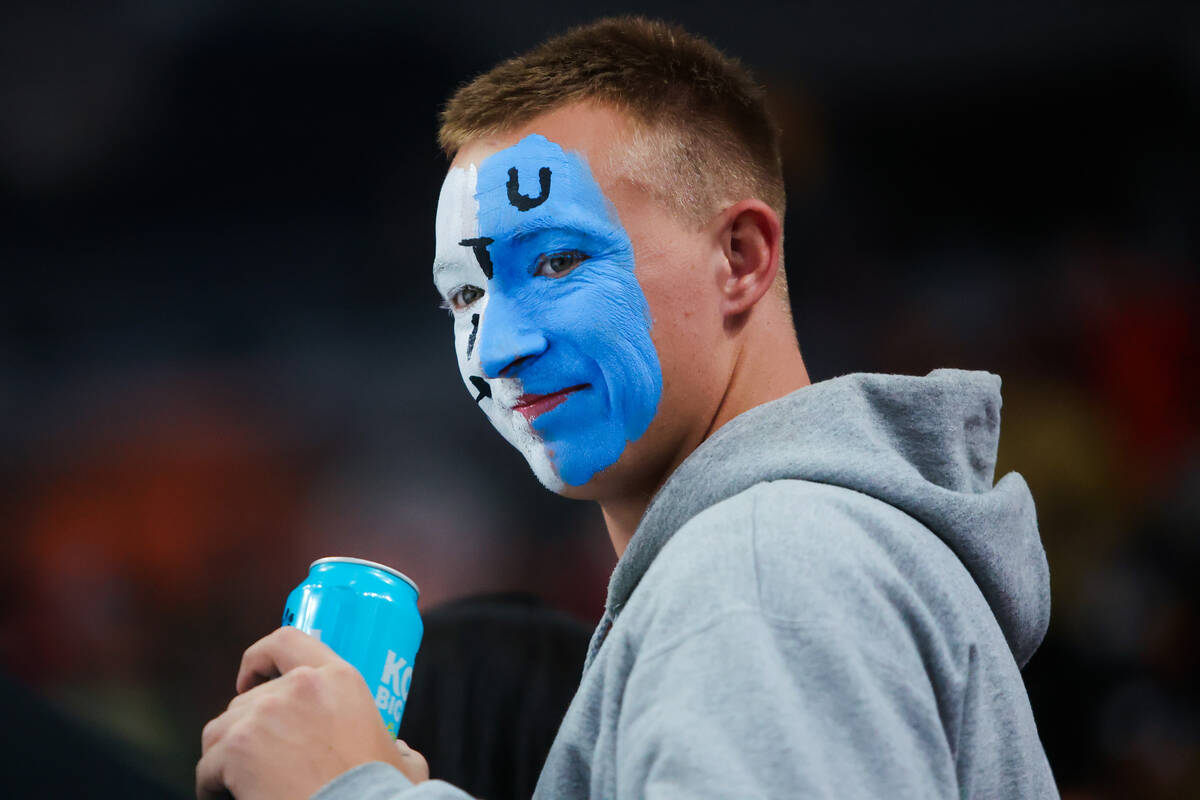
820, 591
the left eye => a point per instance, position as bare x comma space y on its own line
554, 265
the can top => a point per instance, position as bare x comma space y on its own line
365, 563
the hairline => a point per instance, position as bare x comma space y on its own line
646, 172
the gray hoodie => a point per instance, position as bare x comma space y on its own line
828, 598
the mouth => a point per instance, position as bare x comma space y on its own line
531, 405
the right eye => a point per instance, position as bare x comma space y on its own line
463, 296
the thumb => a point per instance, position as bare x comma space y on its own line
412, 763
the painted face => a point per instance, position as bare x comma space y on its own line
551, 327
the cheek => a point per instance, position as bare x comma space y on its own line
606, 321
598, 318
687, 329
460, 350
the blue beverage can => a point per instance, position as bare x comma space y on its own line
367, 613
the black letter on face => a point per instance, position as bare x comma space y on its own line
519, 200
481, 253
482, 386
474, 330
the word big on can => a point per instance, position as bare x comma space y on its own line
367, 613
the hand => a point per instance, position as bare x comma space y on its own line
288, 737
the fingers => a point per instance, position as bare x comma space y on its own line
266, 720
210, 778
279, 652
223, 741
213, 731
223, 736
216, 727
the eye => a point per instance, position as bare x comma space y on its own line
554, 265
462, 297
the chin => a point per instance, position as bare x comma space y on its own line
614, 480
543, 469
600, 486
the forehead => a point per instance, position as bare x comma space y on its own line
587, 128
535, 184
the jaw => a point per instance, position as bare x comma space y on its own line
543, 470
643, 466
517, 431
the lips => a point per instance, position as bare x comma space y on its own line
531, 405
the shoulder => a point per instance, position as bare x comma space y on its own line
806, 554
818, 541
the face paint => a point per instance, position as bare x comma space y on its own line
551, 327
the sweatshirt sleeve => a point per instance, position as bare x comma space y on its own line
753, 707
379, 781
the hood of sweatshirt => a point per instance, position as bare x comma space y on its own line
924, 445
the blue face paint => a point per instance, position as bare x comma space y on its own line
542, 210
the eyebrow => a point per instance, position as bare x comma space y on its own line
529, 228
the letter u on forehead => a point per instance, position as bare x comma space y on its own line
536, 179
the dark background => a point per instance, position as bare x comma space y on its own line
222, 355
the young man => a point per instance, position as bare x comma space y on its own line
820, 591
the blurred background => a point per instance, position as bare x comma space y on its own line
222, 355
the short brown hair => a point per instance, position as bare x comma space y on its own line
702, 131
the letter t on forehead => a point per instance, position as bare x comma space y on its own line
457, 221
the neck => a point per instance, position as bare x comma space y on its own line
621, 517
766, 366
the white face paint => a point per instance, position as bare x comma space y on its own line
455, 265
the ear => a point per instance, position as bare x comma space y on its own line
750, 233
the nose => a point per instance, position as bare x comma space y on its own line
506, 340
